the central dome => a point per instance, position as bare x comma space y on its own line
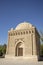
24, 25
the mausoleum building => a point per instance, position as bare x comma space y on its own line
23, 41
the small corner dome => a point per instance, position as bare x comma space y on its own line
24, 25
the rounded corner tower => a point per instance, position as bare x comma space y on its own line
23, 41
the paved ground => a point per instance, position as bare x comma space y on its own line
4, 61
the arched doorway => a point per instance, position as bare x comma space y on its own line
19, 49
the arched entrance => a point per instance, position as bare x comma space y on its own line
19, 49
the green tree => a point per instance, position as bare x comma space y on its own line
41, 49
41, 36
41, 46
3, 49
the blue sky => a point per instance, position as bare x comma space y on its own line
13, 12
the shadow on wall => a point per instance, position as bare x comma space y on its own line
40, 58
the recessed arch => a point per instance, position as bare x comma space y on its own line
19, 49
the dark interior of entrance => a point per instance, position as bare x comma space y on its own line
19, 50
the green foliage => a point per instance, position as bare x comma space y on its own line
41, 49
2, 49
41, 36
42, 39
41, 46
